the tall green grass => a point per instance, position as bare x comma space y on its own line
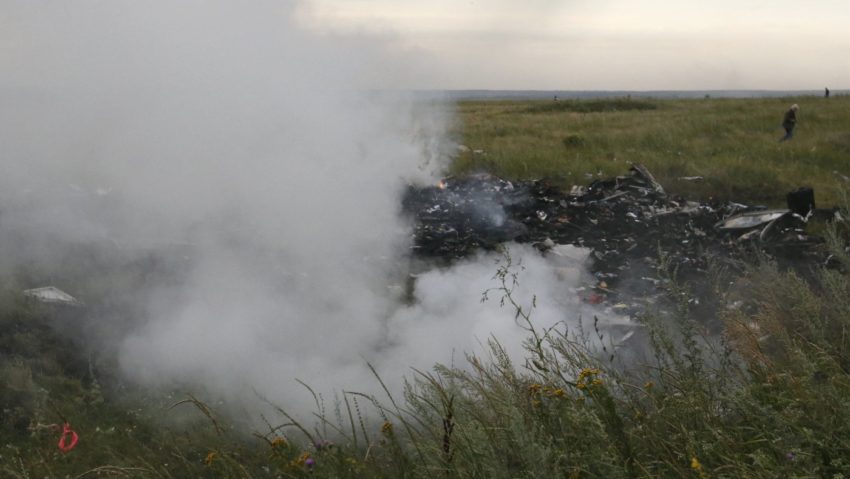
770, 397
732, 143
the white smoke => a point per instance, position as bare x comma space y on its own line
451, 316
222, 126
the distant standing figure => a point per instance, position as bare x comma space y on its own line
789, 121
826, 92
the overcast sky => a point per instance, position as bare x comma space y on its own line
605, 44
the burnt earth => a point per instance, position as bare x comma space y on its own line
633, 227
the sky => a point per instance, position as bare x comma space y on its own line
604, 44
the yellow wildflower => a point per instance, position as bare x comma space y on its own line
387, 428
210, 458
534, 389
587, 379
278, 442
300, 460
648, 385
695, 464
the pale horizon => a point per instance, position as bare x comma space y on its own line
604, 45
567, 45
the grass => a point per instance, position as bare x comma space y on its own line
732, 143
592, 106
767, 398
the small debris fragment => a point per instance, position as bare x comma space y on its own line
751, 220
52, 295
594, 298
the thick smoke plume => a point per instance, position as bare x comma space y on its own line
257, 147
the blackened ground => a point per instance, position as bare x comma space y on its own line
639, 235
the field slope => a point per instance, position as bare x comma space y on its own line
732, 143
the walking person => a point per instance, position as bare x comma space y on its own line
789, 121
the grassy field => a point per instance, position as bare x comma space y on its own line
768, 398
732, 143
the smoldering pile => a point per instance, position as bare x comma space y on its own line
633, 228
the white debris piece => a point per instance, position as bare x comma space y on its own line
577, 190
751, 219
52, 295
569, 255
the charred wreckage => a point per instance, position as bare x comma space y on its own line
632, 227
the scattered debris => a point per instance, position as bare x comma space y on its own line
53, 295
647, 177
801, 201
751, 220
629, 223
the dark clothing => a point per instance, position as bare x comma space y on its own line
789, 120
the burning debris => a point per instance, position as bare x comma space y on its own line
629, 223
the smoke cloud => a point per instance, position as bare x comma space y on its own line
261, 150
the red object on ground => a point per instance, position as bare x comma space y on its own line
594, 298
69, 438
